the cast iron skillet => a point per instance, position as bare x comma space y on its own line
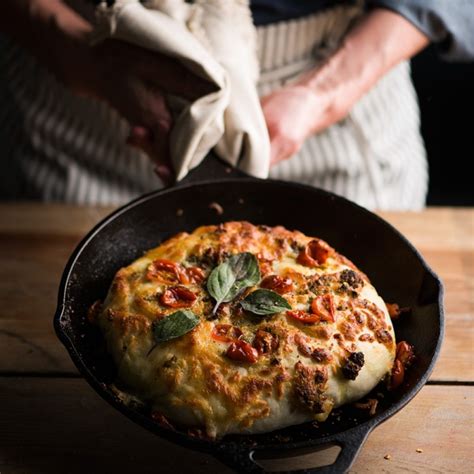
395, 268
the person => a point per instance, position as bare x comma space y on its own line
80, 123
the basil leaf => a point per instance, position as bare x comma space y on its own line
229, 278
174, 325
265, 302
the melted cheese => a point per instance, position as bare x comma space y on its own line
192, 382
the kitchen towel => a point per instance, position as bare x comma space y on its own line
216, 41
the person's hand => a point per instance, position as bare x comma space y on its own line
129, 78
295, 112
325, 95
133, 80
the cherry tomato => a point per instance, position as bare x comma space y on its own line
315, 253
323, 306
242, 351
397, 376
178, 297
277, 283
226, 333
167, 272
405, 353
393, 310
303, 316
195, 274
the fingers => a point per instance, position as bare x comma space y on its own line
138, 136
282, 148
166, 174
156, 146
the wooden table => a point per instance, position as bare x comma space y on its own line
51, 421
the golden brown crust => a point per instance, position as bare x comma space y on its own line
296, 368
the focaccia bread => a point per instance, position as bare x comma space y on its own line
300, 332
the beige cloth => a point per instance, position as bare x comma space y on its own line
216, 41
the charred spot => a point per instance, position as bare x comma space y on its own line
306, 390
349, 278
360, 317
223, 255
265, 342
281, 243
342, 306
209, 258
264, 228
301, 343
170, 362
320, 376
212, 316
253, 386
275, 361
322, 284
383, 335
351, 368
321, 355
372, 322
366, 337
296, 246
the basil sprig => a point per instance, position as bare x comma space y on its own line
265, 302
174, 325
229, 278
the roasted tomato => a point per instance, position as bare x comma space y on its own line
277, 283
323, 307
242, 351
397, 375
303, 316
403, 359
178, 297
94, 311
168, 272
315, 253
395, 311
226, 333
405, 353
195, 274
265, 342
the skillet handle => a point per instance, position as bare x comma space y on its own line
241, 459
211, 168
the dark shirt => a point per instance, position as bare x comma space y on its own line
447, 23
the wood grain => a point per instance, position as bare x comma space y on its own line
57, 424
51, 425
36, 241
453, 228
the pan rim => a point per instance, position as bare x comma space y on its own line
211, 446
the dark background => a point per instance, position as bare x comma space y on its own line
446, 96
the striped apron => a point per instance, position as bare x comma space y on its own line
56, 146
